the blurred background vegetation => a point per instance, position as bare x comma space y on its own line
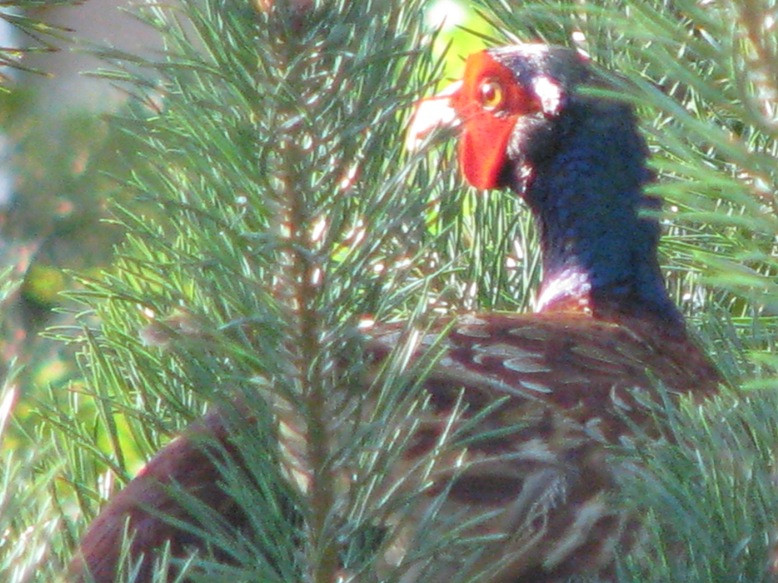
703, 74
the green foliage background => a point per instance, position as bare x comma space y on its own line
261, 198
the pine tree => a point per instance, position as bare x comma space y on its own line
278, 211
280, 201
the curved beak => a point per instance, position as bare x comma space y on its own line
432, 113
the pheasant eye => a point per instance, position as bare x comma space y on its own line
491, 94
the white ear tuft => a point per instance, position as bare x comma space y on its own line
550, 94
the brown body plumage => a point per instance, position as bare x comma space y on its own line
568, 385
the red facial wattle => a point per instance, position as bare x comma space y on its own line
482, 151
489, 103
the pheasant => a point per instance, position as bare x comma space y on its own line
539, 397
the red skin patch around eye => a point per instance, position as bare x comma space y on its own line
485, 132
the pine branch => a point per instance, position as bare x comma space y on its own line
248, 280
42, 34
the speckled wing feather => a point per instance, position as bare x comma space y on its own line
540, 397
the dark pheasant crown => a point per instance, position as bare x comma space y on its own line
552, 78
543, 67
